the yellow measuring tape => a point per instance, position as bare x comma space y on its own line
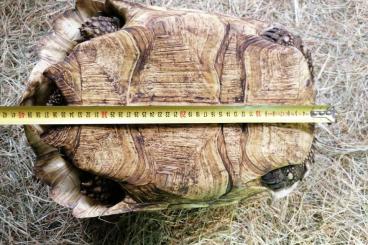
24, 115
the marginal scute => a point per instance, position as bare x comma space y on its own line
88, 8
66, 28
61, 136
127, 9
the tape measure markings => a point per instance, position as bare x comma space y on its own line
22, 115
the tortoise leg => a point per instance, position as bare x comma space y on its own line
98, 26
283, 180
56, 98
284, 177
103, 190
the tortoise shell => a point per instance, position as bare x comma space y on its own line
165, 56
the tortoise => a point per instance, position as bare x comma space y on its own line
116, 52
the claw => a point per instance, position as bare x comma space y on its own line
87, 184
279, 36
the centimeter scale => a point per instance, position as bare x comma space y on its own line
69, 115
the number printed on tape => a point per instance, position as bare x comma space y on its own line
69, 115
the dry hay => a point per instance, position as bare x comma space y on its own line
331, 205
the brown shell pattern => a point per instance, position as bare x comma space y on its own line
166, 57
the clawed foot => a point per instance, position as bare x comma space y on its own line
104, 190
280, 36
287, 177
56, 98
284, 177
